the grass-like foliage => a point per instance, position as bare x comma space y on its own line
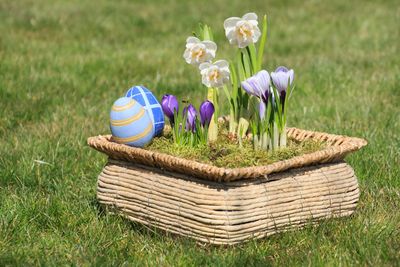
226, 152
63, 64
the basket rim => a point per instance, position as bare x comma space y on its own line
338, 146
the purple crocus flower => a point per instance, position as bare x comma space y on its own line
282, 79
206, 113
258, 85
169, 105
191, 116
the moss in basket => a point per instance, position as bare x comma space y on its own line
225, 152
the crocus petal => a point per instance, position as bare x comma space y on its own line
280, 80
263, 78
291, 75
255, 83
258, 85
248, 88
281, 77
206, 112
191, 115
169, 105
281, 68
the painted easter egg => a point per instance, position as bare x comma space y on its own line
130, 123
146, 98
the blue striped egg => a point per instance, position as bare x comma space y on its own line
146, 98
130, 123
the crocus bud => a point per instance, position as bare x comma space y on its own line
169, 104
191, 115
206, 113
281, 78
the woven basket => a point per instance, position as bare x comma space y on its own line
228, 206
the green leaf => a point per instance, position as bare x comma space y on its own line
207, 33
262, 42
251, 50
234, 80
241, 71
246, 65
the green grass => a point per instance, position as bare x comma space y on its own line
63, 63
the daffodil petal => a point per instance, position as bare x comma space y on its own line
256, 35
210, 45
192, 40
204, 66
250, 16
221, 63
231, 22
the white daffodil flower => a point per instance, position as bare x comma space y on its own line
242, 31
198, 51
216, 74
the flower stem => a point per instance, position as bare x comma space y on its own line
212, 96
283, 137
262, 42
232, 122
275, 141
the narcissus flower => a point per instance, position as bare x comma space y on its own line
282, 78
242, 31
206, 113
215, 75
198, 51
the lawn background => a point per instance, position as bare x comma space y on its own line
63, 63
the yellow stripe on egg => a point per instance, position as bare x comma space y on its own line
134, 138
128, 120
124, 107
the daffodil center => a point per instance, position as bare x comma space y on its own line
245, 31
198, 53
214, 75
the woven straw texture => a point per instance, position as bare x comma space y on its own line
338, 147
230, 212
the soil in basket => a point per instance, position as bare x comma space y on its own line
226, 152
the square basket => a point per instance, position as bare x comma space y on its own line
227, 206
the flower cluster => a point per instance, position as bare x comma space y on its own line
201, 54
269, 129
187, 128
257, 99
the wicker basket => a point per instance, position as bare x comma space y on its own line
228, 206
